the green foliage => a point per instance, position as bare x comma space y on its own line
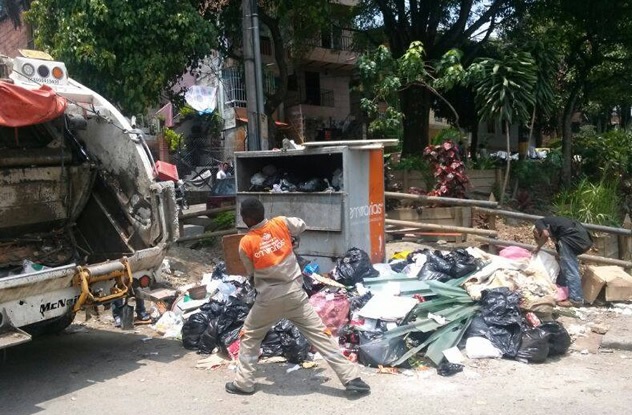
224, 220
129, 51
505, 87
447, 134
604, 155
532, 174
591, 203
382, 78
173, 139
420, 164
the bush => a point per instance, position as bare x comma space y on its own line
449, 170
591, 203
604, 155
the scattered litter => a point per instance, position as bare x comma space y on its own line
454, 355
293, 368
385, 370
599, 328
309, 365
449, 369
212, 362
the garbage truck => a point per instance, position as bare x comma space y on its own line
84, 219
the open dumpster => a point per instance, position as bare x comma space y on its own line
337, 190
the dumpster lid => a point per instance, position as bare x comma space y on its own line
351, 143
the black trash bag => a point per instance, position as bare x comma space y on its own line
192, 330
448, 369
295, 346
500, 306
315, 184
208, 339
354, 267
271, 345
559, 339
380, 351
229, 337
499, 320
534, 347
398, 265
213, 308
435, 268
506, 338
288, 186
219, 271
477, 328
234, 314
272, 180
285, 339
359, 301
462, 263
430, 272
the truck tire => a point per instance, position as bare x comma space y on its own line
52, 326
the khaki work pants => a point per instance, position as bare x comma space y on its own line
296, 308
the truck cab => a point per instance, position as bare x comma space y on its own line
83, 219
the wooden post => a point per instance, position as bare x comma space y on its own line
625, 242
491, 223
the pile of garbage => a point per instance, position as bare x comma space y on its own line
275, 180
423, 304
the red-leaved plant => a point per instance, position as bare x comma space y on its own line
449, 170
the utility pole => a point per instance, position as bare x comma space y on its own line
257, 125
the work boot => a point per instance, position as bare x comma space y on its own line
144, 316
357, 385
232, 389
117, 322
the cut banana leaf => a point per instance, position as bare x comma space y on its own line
461, 317
447, 340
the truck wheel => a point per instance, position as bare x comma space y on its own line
52, 326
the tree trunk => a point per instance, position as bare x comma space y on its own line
415, 105
506, 181
474, 143
567, 137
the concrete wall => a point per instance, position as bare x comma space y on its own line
495, 139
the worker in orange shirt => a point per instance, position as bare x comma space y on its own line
266, 251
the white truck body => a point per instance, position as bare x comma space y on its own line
78, 197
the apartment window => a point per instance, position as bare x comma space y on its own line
265, 44
312, 88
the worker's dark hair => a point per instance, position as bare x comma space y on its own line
252, 208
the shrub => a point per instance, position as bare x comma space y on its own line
448, 170
591, 203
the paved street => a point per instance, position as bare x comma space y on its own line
88, 370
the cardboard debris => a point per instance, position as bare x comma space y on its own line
617, 283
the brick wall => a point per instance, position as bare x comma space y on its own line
12, 39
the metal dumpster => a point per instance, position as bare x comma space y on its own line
353, 216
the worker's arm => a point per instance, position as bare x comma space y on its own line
540, 236
296, 226
245, 259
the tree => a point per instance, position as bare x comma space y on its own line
13, 9
293, 26
588, 34
440, 26
129, 51
505, 93
383, 78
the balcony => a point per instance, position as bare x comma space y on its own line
333, 49
315, 97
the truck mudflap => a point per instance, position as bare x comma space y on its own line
45, 295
